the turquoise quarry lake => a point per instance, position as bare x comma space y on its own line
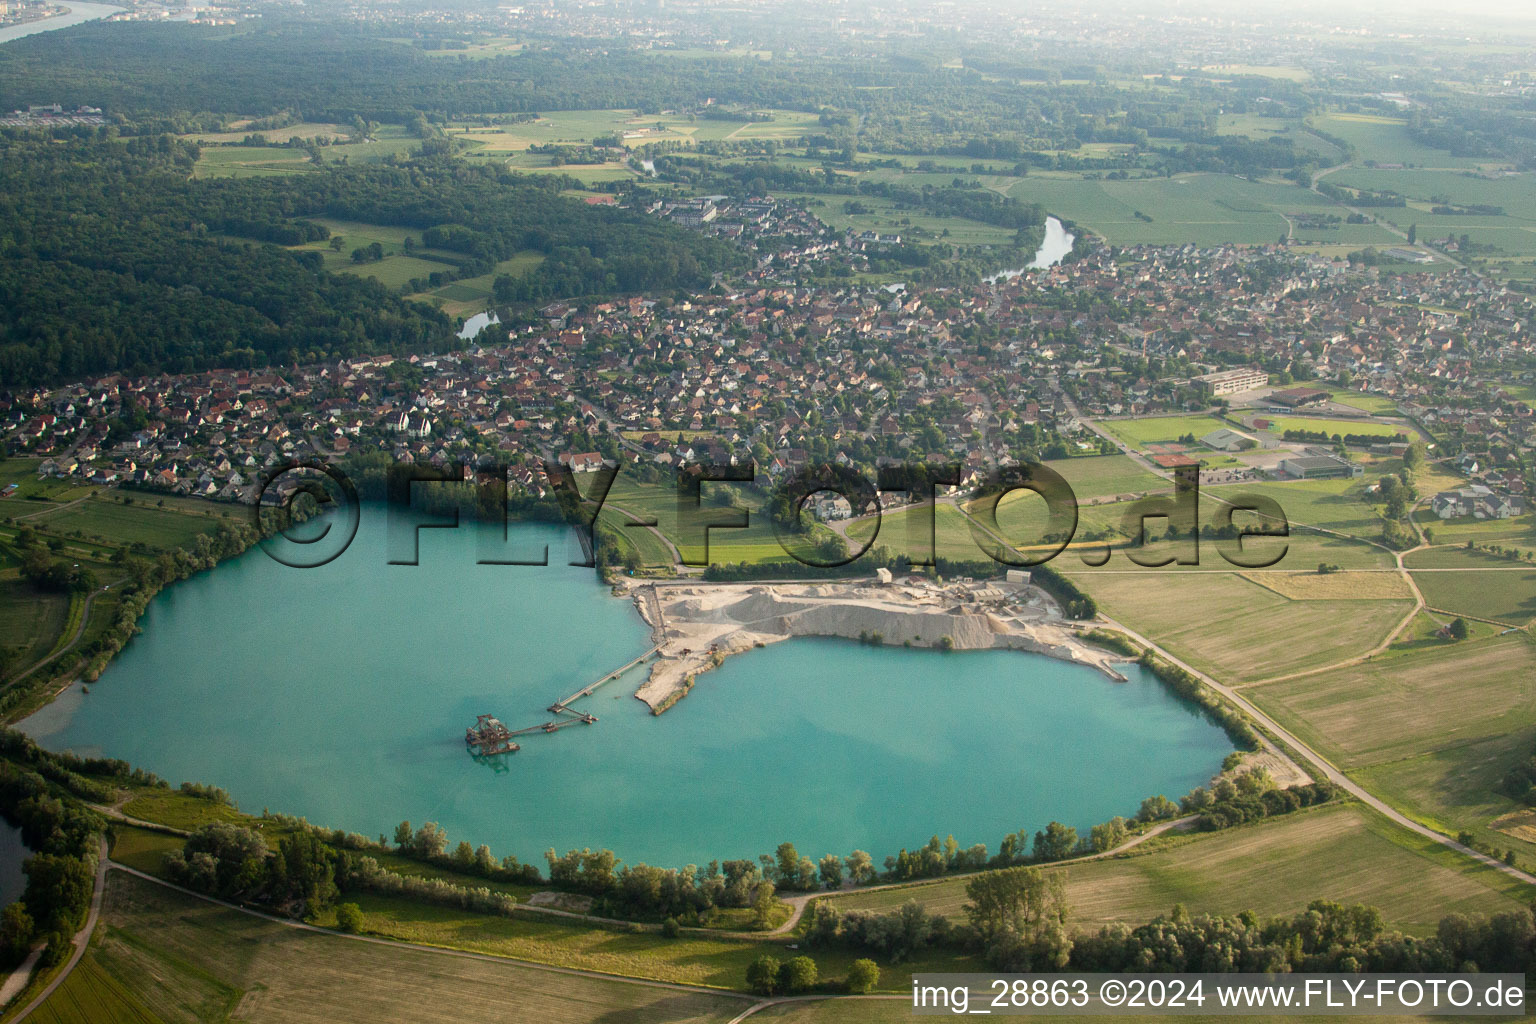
342, 694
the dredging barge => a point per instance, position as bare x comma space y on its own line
488, 737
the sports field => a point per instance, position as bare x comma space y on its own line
1139, 433
1280, 424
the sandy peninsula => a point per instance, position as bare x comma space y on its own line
698, 625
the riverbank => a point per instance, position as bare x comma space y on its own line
698, 625
70, 14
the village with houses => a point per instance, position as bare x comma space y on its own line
1049, 366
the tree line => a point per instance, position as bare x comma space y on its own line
1018, 920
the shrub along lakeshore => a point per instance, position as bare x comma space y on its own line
1016, 915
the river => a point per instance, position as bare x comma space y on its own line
342, 694
1055, 246
78, 13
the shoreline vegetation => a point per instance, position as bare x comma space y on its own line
385, 889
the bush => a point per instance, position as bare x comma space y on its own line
863, 976
349, 918
15, 934
57, 950
797, 975
763, 975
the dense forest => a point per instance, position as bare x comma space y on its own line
165, 75
114, 259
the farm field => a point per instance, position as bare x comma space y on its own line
898, 1010
1407, 704
1284, 72
29, 622
754, 543
250, 161
1518, 532
887, 216
1504, 597
393, 272
1098, 476
143, 849
648, 548
1022, 516
115, 523
1457, 788
34, 624
1512, 235
1516, 193
1205, 209
1328, 504
694, 959
1385, 140
1235, 629
582, 126
33, 494
1334, 586
1260, 128
303, 130
587, 173
471, 295
479, 49
905, 531
91, 995
226, 161
172, 958
1339, 852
